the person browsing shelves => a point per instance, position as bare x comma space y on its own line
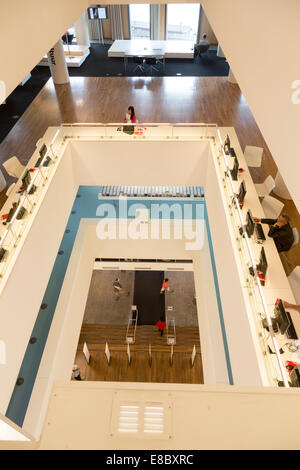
280, 231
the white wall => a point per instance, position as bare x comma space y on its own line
203, 417
214, 364
28, 30
22, 296
159, 162
260, 40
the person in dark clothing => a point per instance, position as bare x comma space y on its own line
118, 289
280, 231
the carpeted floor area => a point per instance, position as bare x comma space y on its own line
98, 64
147, 297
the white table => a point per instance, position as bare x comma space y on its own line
172, 49
75, 55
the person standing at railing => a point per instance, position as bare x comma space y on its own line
130, 116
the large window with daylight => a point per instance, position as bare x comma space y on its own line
183, 21
139, 16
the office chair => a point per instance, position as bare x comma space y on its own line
14, 167
294, 282
151, 61
253, 156
10, 188
296, 241
201, 49
272, 207
296, 237
68, 38
3, 183
139, 61
266, 187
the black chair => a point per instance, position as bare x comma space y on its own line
68, 38
201, 49
139, 61
151, 61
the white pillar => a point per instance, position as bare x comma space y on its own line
82, 31
231, 77
220, 53
57, 64
155, 22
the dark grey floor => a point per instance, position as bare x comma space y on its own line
181, 297
102, 308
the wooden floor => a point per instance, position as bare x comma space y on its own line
159, 99
139, 371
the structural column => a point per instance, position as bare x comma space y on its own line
231, 77
57, 64
82, 31
220, 53
155, 22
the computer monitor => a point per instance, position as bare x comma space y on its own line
12, 212
295, 377
281, 317
227, 145
2, 254
43, 150
250, 224
235, 170
242, 193
262, 266
97, 13
26, 180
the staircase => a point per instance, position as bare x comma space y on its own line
97, 335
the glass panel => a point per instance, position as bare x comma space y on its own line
139, 21
182, 21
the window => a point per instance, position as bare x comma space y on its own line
139, 16
182, 21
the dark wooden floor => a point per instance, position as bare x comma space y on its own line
139, 371
159, 99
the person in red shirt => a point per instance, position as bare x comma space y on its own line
165, 286
161, 325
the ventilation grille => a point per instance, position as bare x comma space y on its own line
141, 419
148, 419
